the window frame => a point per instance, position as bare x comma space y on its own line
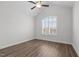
48, 17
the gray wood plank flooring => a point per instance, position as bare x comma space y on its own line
39, 48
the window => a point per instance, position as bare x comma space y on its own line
49, 25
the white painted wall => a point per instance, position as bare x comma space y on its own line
16, 25
76, 27
64, 24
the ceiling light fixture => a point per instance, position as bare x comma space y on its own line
38, 5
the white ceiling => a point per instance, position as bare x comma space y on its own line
36, 11
63, 3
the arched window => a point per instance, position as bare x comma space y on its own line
49, 25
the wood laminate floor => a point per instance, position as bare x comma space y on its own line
39, 48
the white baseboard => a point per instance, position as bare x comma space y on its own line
55, 41
5, 46
76, 49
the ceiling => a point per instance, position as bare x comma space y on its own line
36, 11
63, 3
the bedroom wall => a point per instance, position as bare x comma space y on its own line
16, 25
76, 27
64, 24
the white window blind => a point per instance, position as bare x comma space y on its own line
49, 25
